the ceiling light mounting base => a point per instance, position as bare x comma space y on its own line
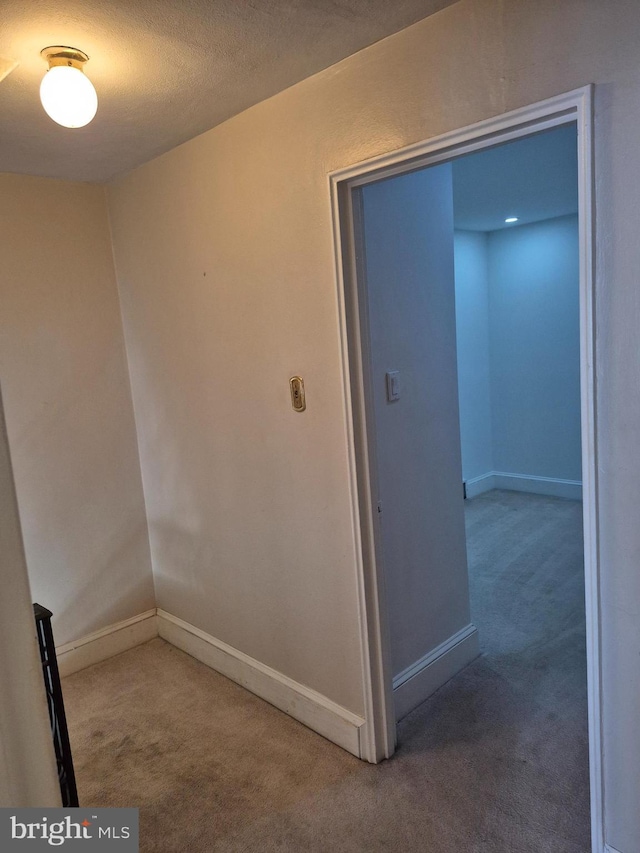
60, 54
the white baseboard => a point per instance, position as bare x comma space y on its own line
307, 706
538, 485
106, 643
609, 849
477, 485
552, 486
416, 683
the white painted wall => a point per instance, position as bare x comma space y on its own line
517, 312
248, 502
68, 407
28, 772
472, 339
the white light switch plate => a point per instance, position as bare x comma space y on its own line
393, 385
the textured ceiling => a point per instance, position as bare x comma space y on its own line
534, 178
167, 70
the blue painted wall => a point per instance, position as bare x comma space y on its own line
518, 289
472, 333
534, 328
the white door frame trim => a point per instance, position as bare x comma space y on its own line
378, 733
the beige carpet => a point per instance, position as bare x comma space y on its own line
495, 762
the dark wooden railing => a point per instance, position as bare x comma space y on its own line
57, 716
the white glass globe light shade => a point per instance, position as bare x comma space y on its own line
68, 96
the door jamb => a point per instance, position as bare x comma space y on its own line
377, 737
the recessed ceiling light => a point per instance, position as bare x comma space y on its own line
510, 219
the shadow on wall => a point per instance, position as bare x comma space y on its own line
80, 498
108, 587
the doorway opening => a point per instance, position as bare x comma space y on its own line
518, 358
394, 219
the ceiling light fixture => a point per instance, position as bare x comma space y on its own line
510, 219
67, 94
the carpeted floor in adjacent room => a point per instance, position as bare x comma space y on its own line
494, 762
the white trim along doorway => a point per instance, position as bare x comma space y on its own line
379, 731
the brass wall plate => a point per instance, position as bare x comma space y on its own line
296, 384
